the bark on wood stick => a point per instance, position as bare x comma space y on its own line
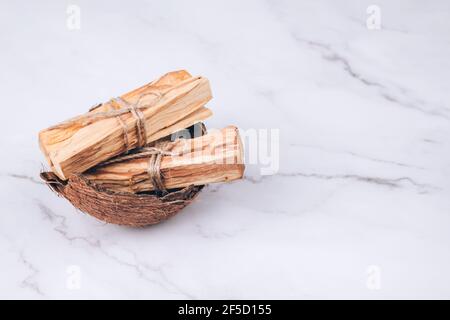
170, 103
215, 157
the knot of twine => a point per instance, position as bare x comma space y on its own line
135, 109
140, 123
155, 155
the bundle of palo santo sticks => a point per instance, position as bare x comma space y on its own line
127, 144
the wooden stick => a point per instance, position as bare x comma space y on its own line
168, 104
215, 157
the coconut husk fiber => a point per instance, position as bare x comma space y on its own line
136, 210
122, 208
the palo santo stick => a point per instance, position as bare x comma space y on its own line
50, 138
215, 157
166, 104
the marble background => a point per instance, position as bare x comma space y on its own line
360, 205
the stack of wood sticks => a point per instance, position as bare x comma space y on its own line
132, 143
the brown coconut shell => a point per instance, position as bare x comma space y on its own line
129, 209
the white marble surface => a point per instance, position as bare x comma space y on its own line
364, 178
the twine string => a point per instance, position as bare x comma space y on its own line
154, 166
135, 109
154, 173
141, 131
155, 155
